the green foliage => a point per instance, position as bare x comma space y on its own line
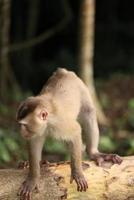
131, 104
132, 144
4, 153
105, 101
131, 112
131, 147
52, 146
107, 144
120, 123
3, 109
10, 147
11, 144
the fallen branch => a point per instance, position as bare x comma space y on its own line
112, 182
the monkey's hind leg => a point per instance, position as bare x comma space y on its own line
91, 135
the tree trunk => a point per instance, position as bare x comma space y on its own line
114, 182
7, 80
32, 22
86, 51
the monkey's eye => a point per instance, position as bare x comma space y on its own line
22, 125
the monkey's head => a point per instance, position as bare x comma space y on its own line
32, 117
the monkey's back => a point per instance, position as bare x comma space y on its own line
63, 87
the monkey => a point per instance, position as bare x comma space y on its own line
63, 110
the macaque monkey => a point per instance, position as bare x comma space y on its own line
65, 111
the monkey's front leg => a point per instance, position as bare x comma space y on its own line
76, 162
27, 187
32, 181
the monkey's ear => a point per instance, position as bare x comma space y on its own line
43, 115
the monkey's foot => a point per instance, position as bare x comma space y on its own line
80, 181
101, 158
27, 187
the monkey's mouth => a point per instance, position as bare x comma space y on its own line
27, 134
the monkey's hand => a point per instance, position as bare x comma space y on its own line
27, 187
80, 181
101, 158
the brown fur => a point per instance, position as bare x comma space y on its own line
26, 108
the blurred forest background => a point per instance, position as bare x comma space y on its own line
94, 39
